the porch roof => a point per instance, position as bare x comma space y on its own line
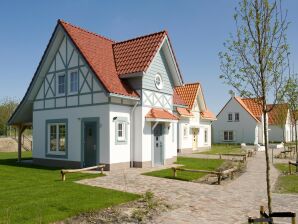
160, 115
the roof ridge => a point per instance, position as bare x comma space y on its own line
192, 83
140, 37
84, 30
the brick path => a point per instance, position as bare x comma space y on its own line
230, 203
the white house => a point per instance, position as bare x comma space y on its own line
280, 124
241, 121
194, 126
93, 100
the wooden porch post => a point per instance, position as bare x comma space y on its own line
21, 129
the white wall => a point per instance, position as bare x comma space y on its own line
74, 116
244, 130
119, 152
144, 137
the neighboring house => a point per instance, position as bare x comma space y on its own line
194, 126
280, 125
241, 121
93, 100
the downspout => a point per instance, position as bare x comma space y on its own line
132, 134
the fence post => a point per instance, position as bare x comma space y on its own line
290, 168
262, 210
174, 171
219, 178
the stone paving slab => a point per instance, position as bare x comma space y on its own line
202, 203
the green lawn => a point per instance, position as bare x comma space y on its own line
222, 149
32, 194
286, 183
189, 163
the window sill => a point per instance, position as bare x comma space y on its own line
56, 154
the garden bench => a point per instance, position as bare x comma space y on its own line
65, 171
220, 175
268, 218
243, 156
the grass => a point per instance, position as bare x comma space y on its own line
34, 194
286, 183
189, 163
223, 149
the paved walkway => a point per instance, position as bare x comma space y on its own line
200, 203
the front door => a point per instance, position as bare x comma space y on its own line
158, 145
90, 143
195, 138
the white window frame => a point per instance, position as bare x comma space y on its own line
229, 136
230, 114
206, 135
124, 124
75, 82
58, 84
158, 81
57, 151
237, 120
185, 131
121, 138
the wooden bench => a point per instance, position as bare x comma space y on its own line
65, 171
268, 218
243, 156
220, 175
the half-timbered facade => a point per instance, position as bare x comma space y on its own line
93, 100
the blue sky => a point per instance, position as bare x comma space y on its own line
197, 30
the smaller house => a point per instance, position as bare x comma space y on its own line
241, 121
279, 123
194, 125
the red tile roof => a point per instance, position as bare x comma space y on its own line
161, 114
188, 93
184, 112
252, 106
177, 100
278, 115
208, 115
98, 52
135, 55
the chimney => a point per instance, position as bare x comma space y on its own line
232, 93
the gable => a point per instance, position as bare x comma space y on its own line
66, 61
159, 65
60, 56
233, 106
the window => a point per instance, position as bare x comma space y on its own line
236, 116
158, 81
57, 138
206, 135
74, 82
185, 131
61, 84
230, 117
228, 136
121, 130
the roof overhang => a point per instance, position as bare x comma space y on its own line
123, 96
161, 120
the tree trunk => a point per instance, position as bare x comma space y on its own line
267, 158
296, 143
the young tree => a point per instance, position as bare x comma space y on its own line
255, 59
291, 97
7, 107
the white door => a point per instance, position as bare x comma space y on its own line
158, 145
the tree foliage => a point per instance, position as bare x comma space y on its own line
7, 107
